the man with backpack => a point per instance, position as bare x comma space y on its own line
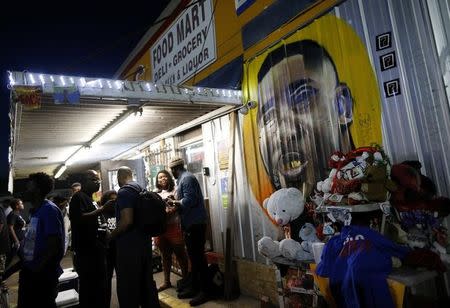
135, 284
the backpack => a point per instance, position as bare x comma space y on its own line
150, 215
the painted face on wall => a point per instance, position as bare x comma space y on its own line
303, 113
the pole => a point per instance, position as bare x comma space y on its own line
231, 289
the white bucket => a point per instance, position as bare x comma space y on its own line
317, 251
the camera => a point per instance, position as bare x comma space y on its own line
247, 106
251, 104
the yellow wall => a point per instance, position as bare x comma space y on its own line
307, 16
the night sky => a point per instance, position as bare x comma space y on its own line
80, 38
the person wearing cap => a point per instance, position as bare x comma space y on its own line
191, 207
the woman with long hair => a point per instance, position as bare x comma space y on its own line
172, 240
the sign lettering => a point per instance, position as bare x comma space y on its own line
187, 46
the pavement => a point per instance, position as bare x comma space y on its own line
167, 298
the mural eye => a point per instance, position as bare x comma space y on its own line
284, 211
300, 95
274, 214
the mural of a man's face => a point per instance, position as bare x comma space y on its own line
301, 110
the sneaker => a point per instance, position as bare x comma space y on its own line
188, 293
201, 298
184, 283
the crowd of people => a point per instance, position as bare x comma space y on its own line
104, 239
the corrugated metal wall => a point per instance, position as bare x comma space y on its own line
251, 222
416, 124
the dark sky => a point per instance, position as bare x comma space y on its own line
81, 38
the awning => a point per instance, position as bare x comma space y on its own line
65, 121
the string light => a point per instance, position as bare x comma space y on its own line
119, 84
11, 79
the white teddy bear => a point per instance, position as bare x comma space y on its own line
268, 247
284, 206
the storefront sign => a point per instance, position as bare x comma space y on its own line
187, 46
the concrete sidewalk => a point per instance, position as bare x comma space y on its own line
167, 298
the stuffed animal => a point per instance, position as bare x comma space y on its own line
376, 184
325, 185
293, 250
309, 236
415, 191
268, 247
420, 211
289, 248
366, 166
284, 207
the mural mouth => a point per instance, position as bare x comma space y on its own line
292, 164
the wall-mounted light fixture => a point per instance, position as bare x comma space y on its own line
60, 171
246, 107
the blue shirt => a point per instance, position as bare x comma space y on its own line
46, 221
192, 208
357, 262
